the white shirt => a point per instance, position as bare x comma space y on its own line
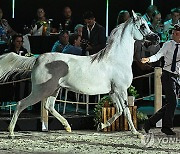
89, 30
167, 51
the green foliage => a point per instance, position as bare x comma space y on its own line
141, 117
105, 101
132, 91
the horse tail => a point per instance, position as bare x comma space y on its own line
11, 63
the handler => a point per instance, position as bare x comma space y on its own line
170, 82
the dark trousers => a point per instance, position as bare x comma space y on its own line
171, 90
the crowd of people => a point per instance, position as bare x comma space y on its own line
91, 34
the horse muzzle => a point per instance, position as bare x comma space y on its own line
153, 38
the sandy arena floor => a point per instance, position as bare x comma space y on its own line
89, 142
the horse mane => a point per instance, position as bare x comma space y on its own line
12, 63
116, 32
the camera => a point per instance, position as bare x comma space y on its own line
84, 44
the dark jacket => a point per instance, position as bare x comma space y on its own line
97, 38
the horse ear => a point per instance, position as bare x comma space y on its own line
134, 15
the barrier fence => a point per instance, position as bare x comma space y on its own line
157, 95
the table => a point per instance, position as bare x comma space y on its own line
3, 46
42, 44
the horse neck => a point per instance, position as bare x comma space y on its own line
123, 44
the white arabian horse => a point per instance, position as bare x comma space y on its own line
108, 71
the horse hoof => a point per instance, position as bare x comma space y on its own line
11, 136
68, 129
140, 136
99, 127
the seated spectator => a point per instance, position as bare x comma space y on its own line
22, 89
40, 25
75, 45
5, 29
93, 33
62, 43
16, 45
123, 16
78, 29
168, 25
148, 15
155, 23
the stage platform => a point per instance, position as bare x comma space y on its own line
32, 122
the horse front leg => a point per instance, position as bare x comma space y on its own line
115, 116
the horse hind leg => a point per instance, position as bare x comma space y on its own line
49, 105
115, 116
21, 105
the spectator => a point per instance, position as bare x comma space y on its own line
78, 29
22, 89
168, 25
5, 29
67, 22
155, 23
93, 33
148, 15
143, 49
62, 43
123, 16
41, 24
75, 45
16, 45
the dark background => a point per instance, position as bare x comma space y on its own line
25, 10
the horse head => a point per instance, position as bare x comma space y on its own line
142, 30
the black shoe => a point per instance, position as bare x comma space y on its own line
147, 126
167, 131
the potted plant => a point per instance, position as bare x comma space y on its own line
132, 94
141, 118
105, 101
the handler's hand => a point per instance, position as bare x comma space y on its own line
145, 60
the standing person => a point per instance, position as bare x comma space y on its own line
170, 78
5, 29
143, 49
94, 33
67, 22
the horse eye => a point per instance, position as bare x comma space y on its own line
143, 26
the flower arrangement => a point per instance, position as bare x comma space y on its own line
141, 117
105, 101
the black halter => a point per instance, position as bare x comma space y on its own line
141, 29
